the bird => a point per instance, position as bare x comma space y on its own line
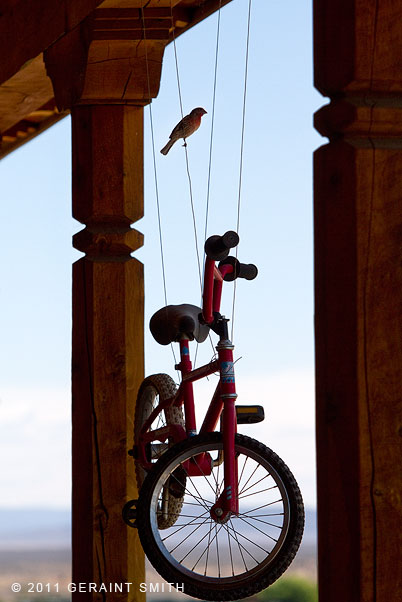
187, 126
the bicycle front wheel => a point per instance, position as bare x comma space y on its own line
231, 560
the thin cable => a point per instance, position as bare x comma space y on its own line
212, 120
176, 61
210, 154
194, 219
156, 175
241, 151
185, 148
200, 275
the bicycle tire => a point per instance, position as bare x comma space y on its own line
223, 582
164, 387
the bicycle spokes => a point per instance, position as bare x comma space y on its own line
245, 541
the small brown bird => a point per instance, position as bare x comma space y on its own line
187, 126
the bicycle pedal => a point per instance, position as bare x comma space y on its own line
249, 414
129, 513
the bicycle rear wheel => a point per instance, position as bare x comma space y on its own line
153, 390
222, 561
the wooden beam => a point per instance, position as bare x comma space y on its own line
25, 31
27, 106
358, 223
24, 92
198, 12
32, 125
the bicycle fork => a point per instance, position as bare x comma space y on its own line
227, 504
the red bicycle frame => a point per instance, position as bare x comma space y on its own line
222, 403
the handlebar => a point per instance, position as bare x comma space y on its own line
218, 247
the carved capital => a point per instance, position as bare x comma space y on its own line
113, 57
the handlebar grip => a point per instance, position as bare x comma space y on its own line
248, 271
217, 247
240, 270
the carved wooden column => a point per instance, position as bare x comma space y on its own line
358, 263
106, 81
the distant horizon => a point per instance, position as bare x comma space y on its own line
50, 529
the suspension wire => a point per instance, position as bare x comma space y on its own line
185, 148
200, 274
212, 120
210, 153
156, 175
241, 151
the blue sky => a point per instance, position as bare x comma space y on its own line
274, 313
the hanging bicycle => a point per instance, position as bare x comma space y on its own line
218, 512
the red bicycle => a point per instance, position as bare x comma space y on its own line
218, 512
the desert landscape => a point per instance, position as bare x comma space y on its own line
35, 549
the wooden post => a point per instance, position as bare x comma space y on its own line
108, 359
105, 82
358, 242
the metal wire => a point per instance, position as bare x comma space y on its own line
212, 120
185, 148
156, 176
210, 153
187, 162
241, 152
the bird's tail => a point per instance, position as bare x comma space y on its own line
167, 148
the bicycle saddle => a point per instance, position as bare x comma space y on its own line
170, 323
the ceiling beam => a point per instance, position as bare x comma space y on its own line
26, 31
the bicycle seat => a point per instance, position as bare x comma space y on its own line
170, 323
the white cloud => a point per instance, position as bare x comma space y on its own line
35, 441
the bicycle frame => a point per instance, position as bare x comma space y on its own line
222, 403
